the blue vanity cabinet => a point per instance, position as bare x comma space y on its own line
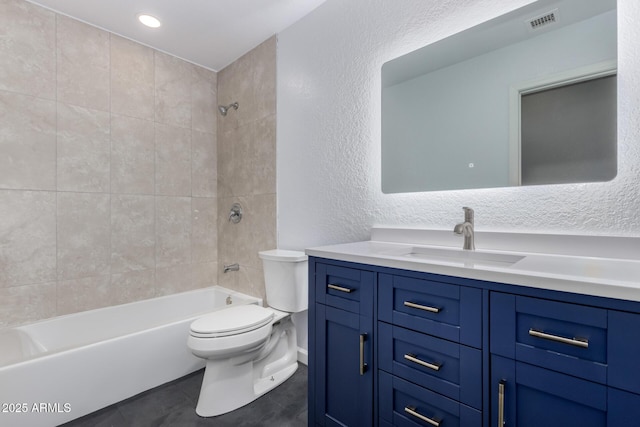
429, 351
341, 339
391, 347
559, 363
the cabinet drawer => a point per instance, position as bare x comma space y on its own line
451, 369
345, 288
441, 309
403, 403
565, 337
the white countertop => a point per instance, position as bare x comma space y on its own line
589, 275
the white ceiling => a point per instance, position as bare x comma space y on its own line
211, 33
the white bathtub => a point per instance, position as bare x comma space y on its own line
62, 368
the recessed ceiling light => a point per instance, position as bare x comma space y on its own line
149, 21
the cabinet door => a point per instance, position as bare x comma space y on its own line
344, 371
535, 396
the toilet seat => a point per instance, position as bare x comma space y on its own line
231, 321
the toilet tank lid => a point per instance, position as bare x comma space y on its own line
283, 255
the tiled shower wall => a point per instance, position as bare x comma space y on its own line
108, 167
247, 166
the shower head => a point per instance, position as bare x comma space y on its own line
223, 109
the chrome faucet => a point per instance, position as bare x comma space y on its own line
466, 229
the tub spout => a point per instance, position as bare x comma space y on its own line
231, 267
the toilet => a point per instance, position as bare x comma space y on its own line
249, 350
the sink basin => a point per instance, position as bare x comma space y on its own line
464, 257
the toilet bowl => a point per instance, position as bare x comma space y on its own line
249, 350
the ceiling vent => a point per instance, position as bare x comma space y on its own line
543, 21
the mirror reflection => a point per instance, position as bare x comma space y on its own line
526, 98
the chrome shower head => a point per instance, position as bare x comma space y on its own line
223, 109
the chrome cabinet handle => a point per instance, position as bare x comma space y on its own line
411, 410
422, 307
583, 343
412, 358
501, 386
363, 365
340, 288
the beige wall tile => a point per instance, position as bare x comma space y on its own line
173, 160
83, 235
83, 149
129, 139
28, 49
257, 231
204, 108
132, 233
82, 64
226, 165
204, 230
251, 282
173, 231
263, 155
132, 79
235, 176
251, 81
263, 59
204, 274
27, 142
227, 232
132, 155
246, 167
234, 85
27, 237
133, 286
84, 294
177, 278
173, 90
204, 164
27, 303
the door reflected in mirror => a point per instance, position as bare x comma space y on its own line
526, 98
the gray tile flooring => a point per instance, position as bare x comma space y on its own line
173, 404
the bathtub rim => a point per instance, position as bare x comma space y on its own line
53, 353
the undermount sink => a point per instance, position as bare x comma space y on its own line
464, 256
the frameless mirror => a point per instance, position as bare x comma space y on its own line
526, 98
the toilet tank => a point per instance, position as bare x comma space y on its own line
286, 279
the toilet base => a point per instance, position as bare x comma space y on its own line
232, 383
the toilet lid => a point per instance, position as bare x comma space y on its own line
232, 320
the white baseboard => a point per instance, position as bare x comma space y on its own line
303, 356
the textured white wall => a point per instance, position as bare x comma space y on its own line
328, 142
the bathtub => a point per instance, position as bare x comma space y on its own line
62, 368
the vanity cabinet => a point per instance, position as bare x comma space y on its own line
557, 363
429, 352
392, 347
341, 346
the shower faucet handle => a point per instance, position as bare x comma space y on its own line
235, 215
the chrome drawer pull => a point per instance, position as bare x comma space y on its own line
363, 365
414, 359
340, 288
411, 410
422, 307
501, 386
584, 343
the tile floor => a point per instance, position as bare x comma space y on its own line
173, 404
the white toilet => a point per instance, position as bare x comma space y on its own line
250, 349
